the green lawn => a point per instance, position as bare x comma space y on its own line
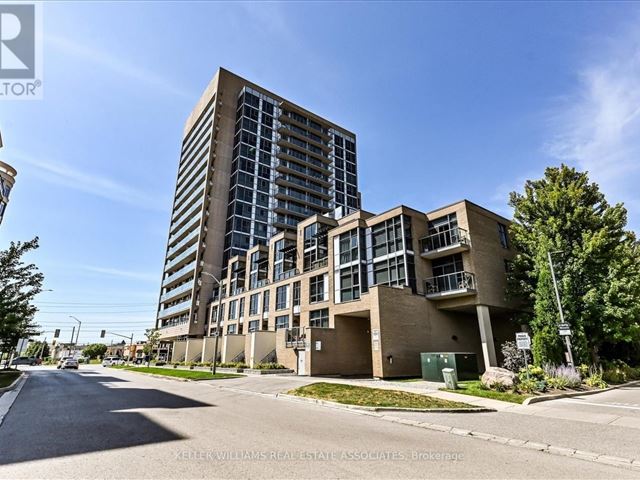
8, 376
475, 388
175, 372
372, 397
409, 379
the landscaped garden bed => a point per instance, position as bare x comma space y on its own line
8, 376
373, 397
178, 373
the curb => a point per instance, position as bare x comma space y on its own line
382, 409
555, 396
621, 462
13, 384
7, 399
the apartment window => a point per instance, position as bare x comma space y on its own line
241, 308
296, 294
265, 301
386, 237
317, 291
282, 294
254, 325
231, 329
447, 265
282, 321
233, 305
349, 247
315, 246
319, 318
349, 283
503, 234
254, 300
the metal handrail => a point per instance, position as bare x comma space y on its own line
451, 282
445, 238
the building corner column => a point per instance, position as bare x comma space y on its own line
486, 336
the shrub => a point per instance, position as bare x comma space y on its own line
513, 358
232, 365
269, 366
594, 379
562, 377
532, 373
160, 363
175, 365
527, 386
583, 369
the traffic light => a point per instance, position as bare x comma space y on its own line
103, 333
56, 334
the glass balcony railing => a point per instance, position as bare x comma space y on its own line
189, 213
450, 283
189, 251
186, 305
182, 242
185, 194
183, 229
176, 291
179, 273
197, 193
446, 238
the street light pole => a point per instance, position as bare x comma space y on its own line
567, 338
215, 344
79, 325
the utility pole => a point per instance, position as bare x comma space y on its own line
79, 325
567, 338
71, 344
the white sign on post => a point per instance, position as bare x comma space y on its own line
523, 341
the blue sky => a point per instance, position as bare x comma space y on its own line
448, 101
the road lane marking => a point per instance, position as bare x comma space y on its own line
580, 402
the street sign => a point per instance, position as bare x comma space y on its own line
564, 332
56, 334
523, 341
102, 333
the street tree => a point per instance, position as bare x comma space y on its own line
94, 350
19, 284
596, 260
153, 339
34, 349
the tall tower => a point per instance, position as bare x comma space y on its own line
252, 164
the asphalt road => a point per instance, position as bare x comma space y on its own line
98, 423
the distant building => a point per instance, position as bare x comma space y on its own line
7, 180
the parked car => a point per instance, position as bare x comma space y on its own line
109, 361
61, 361
24, 361
70, 362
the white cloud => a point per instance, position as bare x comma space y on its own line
98, 185
597, 127
116, 64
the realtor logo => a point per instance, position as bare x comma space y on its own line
20, 51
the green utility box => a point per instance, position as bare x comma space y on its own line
465, 365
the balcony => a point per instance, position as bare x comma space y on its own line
190, 237
179, 274
441, 244
188, 215
180, 307
457, 284
288, 274
176, 291
295, 337
189, 225
323, 262
182, 257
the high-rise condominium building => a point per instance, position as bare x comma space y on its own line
252, 165
7, 179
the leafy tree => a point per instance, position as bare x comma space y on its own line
514, 357
153, 339
34, 348
94, 350
19, 284
597, 265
